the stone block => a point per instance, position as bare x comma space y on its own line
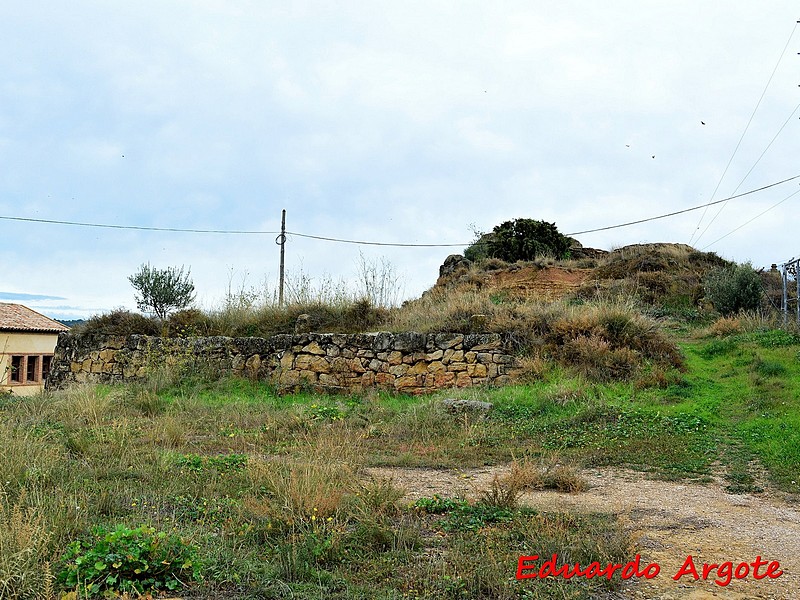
409, 341
384, 379
445, 341
476, 370
395, 358
309, 376
470, 357
289, 378
442, 380
418, 368
463, 380
436, 367
484, 358
287, 361
408, 381
398, 370
356, 366
329, 380
436, 355
311, 362
314, 348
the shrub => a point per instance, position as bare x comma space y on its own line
734, 289
128, 560
119, 322
520, 239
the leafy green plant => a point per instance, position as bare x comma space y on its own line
438, 505
137, 560
525, 239
325, 413
734, 288
224, 463
160, 291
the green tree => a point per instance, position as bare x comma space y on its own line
521, 239
734, 288
160, 291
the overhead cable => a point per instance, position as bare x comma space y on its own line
739, 143
363, 242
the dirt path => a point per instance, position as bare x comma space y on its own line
668, 521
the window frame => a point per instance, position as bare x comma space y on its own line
18, 376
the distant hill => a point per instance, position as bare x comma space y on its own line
71, 322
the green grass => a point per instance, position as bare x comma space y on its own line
270, 489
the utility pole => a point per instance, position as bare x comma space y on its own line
281, 241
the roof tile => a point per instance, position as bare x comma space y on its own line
16, 317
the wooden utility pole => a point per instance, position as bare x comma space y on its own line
281, 241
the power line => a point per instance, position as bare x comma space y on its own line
685, 210
739, 143
137, 227
755, 164
220, 231
364, 242
753, 219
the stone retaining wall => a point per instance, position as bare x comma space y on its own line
405, 362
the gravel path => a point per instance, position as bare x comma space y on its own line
668, 521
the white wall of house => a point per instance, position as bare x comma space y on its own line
23, 360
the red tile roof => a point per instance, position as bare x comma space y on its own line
15, 317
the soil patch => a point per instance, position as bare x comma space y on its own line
549, 283
667, 520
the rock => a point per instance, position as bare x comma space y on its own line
303, 323
453, 263
456, 405
477, 322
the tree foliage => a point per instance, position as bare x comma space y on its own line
160, 291
734, 288
520, 239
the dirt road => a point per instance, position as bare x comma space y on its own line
668, 522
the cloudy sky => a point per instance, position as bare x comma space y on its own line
392, 122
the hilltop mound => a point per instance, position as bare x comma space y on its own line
666, 275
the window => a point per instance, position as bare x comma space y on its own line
16, 369
29, 368
32, 369
46, 360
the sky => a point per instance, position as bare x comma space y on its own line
392, 122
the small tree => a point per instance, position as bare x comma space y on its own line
160, 291
525, 239
734, 288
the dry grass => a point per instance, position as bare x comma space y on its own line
314, 484
24, 558
725, 326
550, 474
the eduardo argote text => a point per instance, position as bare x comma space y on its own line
529, 567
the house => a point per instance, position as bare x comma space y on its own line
27, 342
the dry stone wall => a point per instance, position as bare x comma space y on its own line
405, 362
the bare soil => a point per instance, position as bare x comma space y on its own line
546, 284
667, 521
